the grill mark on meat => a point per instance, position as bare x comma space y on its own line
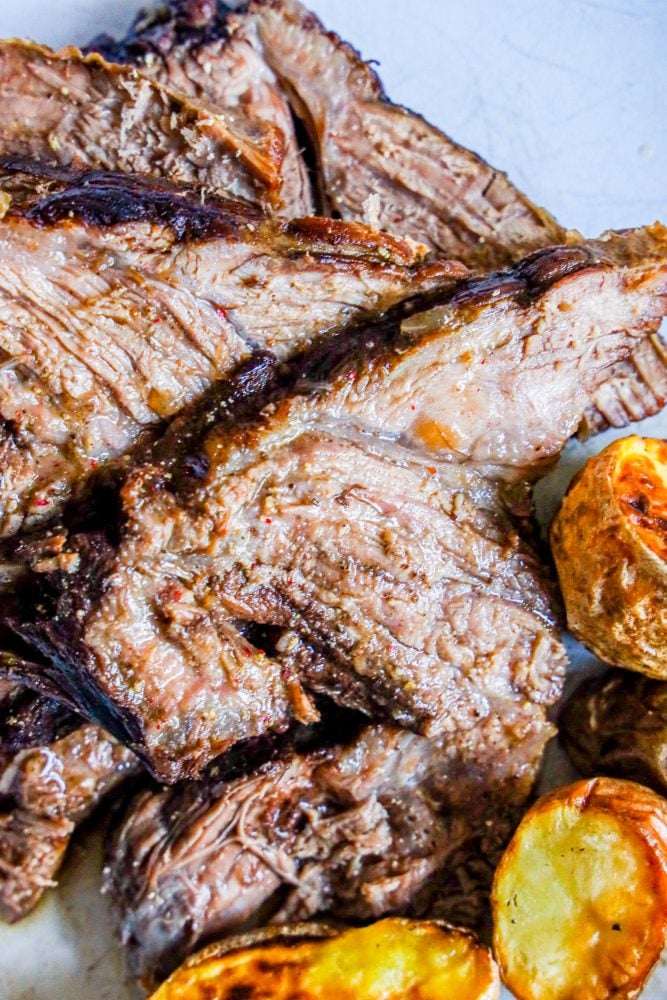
423, 425
208, 57
64, 108
123, 299
45, 793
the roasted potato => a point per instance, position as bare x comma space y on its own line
390, 960
580, 896
609, 541
617, 725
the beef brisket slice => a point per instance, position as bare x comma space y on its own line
45, 793
122, 299
67, 109
391, 822
187, 46
381, 163
363, 522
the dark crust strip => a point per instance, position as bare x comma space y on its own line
105, 198
186, 24
28, 719
57, 637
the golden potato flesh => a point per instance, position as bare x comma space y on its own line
580, 896
393, 959
609, 542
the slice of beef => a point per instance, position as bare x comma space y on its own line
390, 822
122, 299
186, 45
67, 109
45, 793
361, 517
386, 165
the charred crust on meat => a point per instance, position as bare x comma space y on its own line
28, 719
186, 24
106, 198
231, 401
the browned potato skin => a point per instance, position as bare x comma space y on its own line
635, 806
617, 725
610, 551
265, 974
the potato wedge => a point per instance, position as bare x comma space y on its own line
617, 725
580, 896
389, 960
609, 541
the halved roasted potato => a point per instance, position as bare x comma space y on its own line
609, 541
389, 960
580, 896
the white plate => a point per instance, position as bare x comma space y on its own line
565, 96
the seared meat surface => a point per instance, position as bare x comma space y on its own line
196, 49
389, 822
45, 792
364, 521
122, 299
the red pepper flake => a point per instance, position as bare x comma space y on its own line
93, 463
41, 503
431, 470
290, 582
351, 376
268, 520
412, 406
221, 312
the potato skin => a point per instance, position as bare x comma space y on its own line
617, 725
635, 808
614, 582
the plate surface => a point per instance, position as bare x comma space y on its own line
562, 94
